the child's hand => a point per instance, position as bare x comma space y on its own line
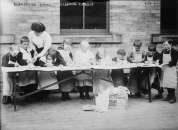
49, 64
74, 72
16, 64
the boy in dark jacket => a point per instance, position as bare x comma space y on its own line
8, 60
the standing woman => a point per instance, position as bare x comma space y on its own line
39, 39
170, 58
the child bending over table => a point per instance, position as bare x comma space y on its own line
52, 58
8, 60
119, 76
170, 58
67, 86
137, 55
84, 57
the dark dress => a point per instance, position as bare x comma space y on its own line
66, 86
118, 76
46, 78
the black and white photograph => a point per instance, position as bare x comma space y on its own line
88, 64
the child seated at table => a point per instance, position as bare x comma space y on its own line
28, 79
8, 60
149, 74
157, 84
84, 57
137, 55
52, 58
67, 86
119, 76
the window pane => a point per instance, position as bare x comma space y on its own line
71, 12
95, 14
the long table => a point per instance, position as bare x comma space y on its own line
72, 68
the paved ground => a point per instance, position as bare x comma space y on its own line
54, 114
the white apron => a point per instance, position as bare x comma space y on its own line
169, 73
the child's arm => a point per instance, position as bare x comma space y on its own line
144, 56
5, 62
20, 59
130, 57
59, 60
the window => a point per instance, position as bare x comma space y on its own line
88, 16
169, 16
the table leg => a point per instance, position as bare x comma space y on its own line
149, 87
92, 77
14, 91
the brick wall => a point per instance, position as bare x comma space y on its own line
130, 18
135, 18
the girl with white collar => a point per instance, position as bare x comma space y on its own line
25, 58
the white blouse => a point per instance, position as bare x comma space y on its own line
43, 40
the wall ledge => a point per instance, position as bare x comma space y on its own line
7, 39
91, 38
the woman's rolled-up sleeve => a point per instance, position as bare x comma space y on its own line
47, 44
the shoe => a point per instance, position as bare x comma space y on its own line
87, 96
167, 98
158, 96
6, 99
63, 97
82, 96
68, 96
173, 100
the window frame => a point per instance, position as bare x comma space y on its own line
89, 31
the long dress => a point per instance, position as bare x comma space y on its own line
26, 77
169, 73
